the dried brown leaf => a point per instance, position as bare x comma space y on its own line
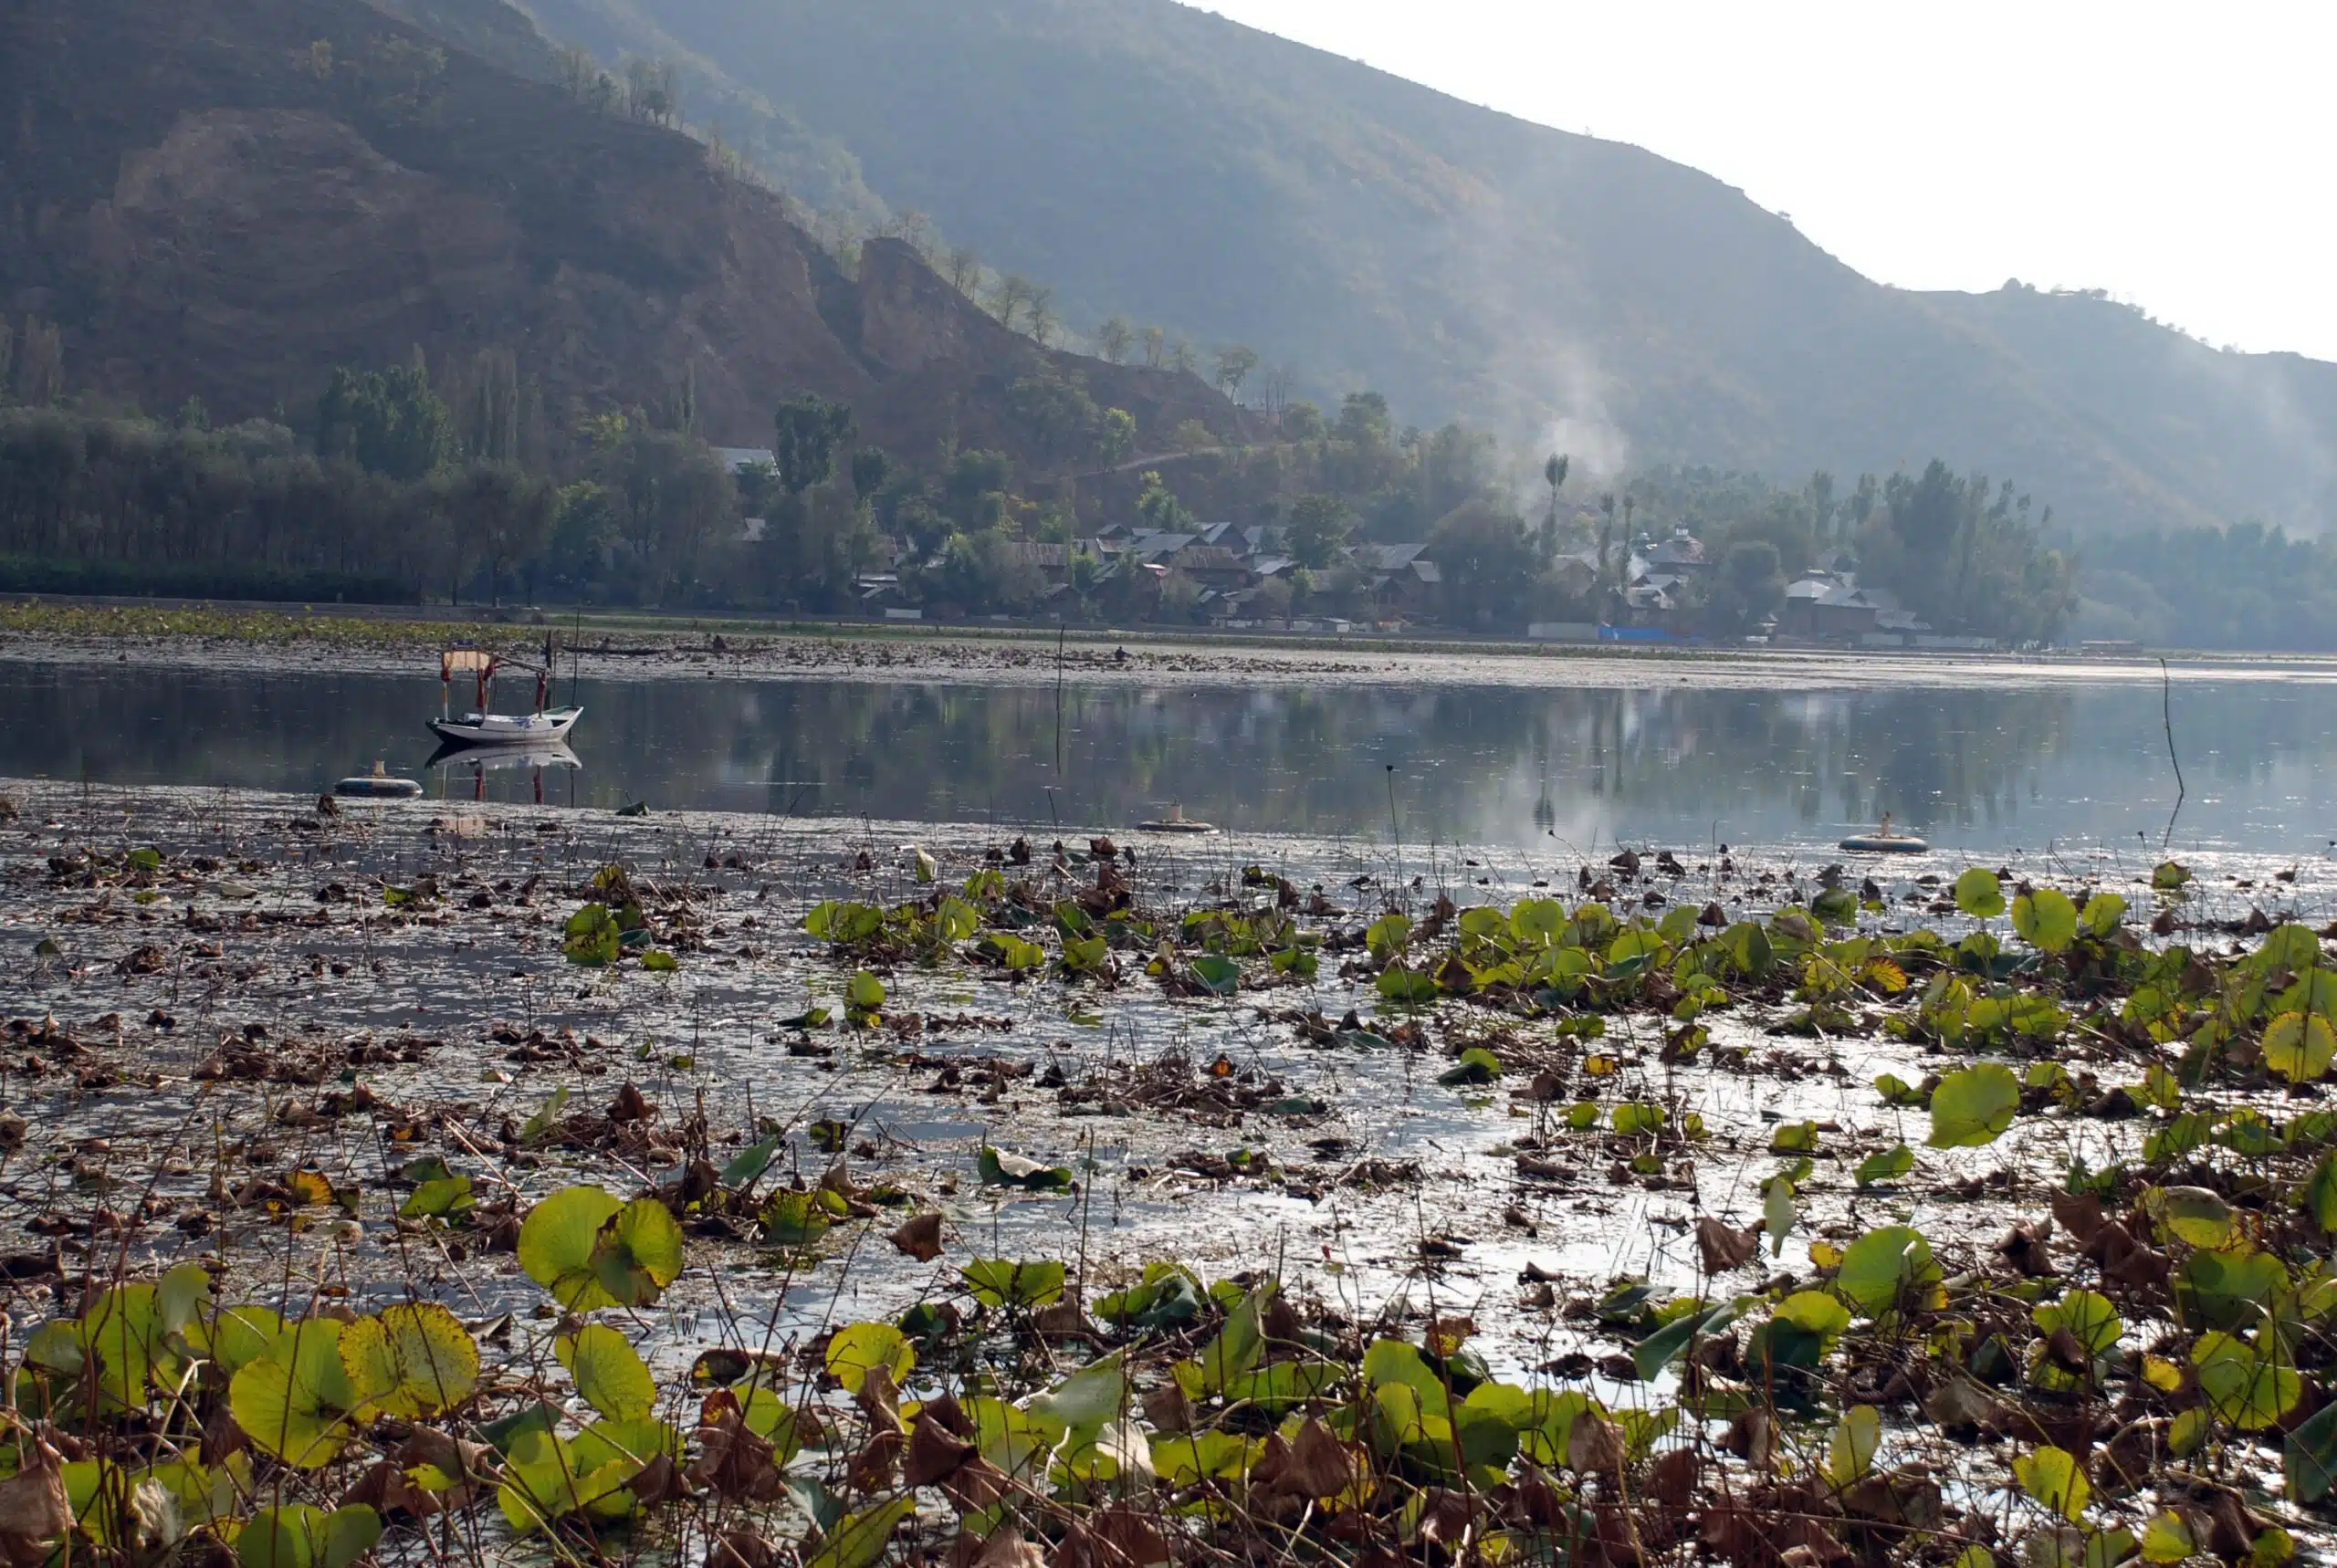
920, 1237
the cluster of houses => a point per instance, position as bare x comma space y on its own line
1234, 570
1826, 604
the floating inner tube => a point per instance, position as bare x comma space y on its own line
1176, 825
378, 787
1885, 844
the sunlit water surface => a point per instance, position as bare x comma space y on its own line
1982, 770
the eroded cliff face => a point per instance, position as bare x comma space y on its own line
223, 199
252, 246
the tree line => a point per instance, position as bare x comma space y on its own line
400, 483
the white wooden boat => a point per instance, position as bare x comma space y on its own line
547, 726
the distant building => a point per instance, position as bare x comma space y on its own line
1833, 606
1404, 584
738, 458
1681, 555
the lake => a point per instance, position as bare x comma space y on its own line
1979, 767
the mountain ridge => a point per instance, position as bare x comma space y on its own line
1150, 158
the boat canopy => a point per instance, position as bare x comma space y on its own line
464, 660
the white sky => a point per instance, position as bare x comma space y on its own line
2182, 156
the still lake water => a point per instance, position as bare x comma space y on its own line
1982, 768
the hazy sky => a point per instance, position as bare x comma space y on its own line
2183, 157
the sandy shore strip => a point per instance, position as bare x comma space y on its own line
270, 640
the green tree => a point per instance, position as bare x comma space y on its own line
1749, 584
872, 466
1302, 421
1158, 508
1605, 544
649, 91
1965, 557
808, 433
1055, 409
814, 550
760, 491
975, 487
1487, 563
388, 422
1319, 526
1554, 474
965, 270
1112, 339
1234, 364
1364, 422
981, 573
1013, 293
508, 514
584, 531
670, 497
1115, 436
1043, 320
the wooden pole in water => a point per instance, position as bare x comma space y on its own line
1393, 830
1059, 639
2166, 714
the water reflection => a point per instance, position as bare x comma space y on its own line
475, 765
1978, 766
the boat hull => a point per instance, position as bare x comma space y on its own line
530, 729
1879, 845
371, 786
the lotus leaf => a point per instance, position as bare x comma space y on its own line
415, 1360
1000, 1168
1875, 1170
2299, 1046
858, 1349
2054, 1478
593, 937
608, 1371
295, 1535
2247, 1386
1972, 1107
996, 1282
1888, 1270
297, 1402
1980, 895
2046, 919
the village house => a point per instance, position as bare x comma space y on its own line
1403, 583
1833, 606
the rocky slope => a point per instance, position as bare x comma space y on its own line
223, 199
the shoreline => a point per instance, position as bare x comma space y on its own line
655, 647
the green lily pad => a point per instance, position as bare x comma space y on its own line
414, 1360
997, 1282
1980, 895
609, 1372
1974, 1107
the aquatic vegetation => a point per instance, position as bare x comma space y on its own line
2055, 1288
